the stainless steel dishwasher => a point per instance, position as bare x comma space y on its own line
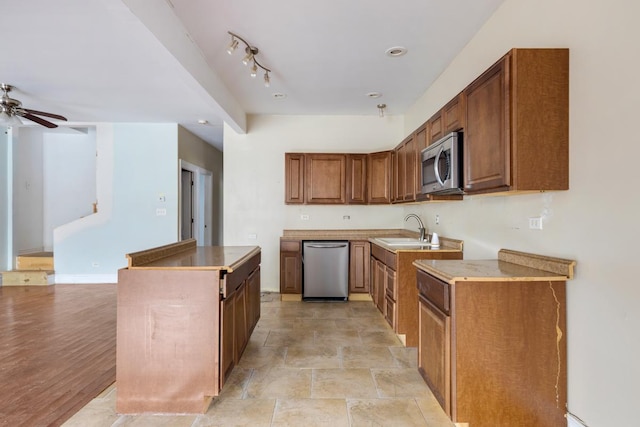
325, 270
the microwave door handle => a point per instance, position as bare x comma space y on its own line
435, 165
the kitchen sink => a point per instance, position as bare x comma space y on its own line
402, 241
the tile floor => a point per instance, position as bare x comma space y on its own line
306, 364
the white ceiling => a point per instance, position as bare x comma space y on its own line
166, 61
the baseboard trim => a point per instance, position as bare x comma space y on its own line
85, 278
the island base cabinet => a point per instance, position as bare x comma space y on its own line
499, 355
167, 340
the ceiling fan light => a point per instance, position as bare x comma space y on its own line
7, 119
267, 81
232, 46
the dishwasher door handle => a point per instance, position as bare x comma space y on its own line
327, 246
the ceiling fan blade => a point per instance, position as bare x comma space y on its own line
42, 113
38, 120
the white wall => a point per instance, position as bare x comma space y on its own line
595, 222
135, 164
69, 184
28, 191
254, 179
6, 203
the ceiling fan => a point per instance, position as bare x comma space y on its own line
11, 108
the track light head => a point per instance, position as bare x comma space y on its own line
232, 46
254, 70
267, 80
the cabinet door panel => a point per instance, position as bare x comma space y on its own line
359, 257
293, 178
434, 360
487, 136
325, 179
410, 170
357, 178
240, 321
453, 114
379, 177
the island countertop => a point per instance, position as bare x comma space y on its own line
510, 266
191, 257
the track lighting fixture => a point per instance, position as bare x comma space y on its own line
250, 57
381, 108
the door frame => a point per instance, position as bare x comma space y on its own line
202, 203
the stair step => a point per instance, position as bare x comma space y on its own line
27, 278
35, 261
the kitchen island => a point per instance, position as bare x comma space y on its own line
184, 316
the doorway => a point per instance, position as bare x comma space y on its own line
196, 205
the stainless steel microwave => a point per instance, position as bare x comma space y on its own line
442, 166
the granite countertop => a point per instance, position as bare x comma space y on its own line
226, 258
446, 244
510, 266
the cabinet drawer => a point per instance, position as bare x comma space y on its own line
434, 290
290, 245
391, 284
378, 252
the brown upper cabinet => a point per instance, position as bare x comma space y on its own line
294, 178
379, 177
325, 178
517, 124
357, 179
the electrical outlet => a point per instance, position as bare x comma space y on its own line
161, 212
304, 217
95, 264
535, 223
437, 219
346, 217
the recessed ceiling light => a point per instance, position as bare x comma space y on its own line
279, 95
374, 95
203, 122
396, 51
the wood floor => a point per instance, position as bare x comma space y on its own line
57, 351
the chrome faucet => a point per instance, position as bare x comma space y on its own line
421, 229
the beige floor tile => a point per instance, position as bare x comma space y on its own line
338, 338
285, 338
366, 324
312, 357
313, 324
363, 309
380, 338
248, 412
236, 384
339, 310
433, 412
279, 383
385, 412
157, 421
367, 357
260, 357
407, 357
401, 382
294, 309
269, 323
342, 383
311, 412
97, 413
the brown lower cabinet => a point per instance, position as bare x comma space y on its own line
291, 266
493, 351
394, 287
